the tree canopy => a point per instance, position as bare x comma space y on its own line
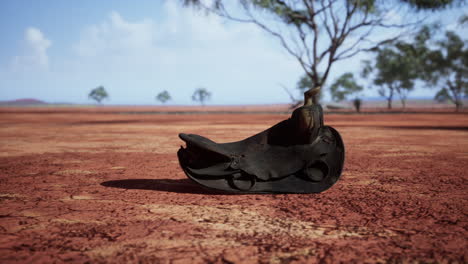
429, 4
399, 65
396, 70
201, 95
344, 86
446, 66
318, 33
98, 94
163, 96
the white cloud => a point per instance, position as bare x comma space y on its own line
180, 50
34, 55
180, 28
116, 36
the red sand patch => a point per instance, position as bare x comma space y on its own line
102, 187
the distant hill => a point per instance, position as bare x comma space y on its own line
22, 102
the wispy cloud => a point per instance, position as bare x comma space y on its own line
181, 50
34, 55
116, 36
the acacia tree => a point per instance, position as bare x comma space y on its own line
98, 94
447, 67
398, 65
384, 73
163, 97
201, 95
318, 33
345, 86
396, 69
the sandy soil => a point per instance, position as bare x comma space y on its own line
102, 187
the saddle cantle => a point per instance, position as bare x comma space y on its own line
297, 155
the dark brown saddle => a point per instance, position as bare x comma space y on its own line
297, 155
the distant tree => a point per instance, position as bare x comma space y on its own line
447, 67
201, 95
163, 97
397, 66
98, 94
345, 86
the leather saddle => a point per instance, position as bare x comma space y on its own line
297, 155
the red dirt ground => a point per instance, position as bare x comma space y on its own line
102, 187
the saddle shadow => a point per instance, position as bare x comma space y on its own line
164, 185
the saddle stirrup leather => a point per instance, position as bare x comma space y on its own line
297, 155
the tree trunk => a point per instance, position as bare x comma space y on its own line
458, 105
455, 97
390, 98
357, 104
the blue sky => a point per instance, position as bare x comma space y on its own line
57, 51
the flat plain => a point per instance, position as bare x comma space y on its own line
103, 185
